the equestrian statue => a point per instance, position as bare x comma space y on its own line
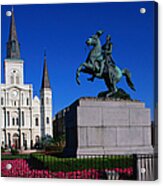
100, 64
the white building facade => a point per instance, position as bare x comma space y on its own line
24, 119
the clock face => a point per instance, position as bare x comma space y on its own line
14, 93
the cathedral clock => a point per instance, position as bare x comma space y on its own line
14, 93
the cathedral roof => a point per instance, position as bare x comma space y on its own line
13, 46
45, 78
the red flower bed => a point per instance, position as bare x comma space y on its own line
127, 171
20, 168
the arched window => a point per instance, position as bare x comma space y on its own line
37, 138
13, 121
8, 118
22, 118
36, 122
22, 99
17, 79
2, 101
12, 79
7, 98
47, 101
47, 120
16, 140
17, 121
27, 101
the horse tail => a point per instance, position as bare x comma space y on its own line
127, 74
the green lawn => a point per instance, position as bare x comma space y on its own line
17, 156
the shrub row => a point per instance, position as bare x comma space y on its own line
73, 164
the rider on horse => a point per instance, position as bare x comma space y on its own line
104, 58
100, 64
107, 51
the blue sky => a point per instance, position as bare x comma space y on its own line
62, 30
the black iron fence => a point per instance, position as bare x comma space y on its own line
111, 167
126, 167
147, 167
88, 166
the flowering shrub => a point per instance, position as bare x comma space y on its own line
128, 171
20, 168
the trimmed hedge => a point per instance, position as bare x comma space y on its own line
73, 164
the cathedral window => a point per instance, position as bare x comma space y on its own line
8, 118
47, 101
17, 121
47, 120
7, 98
22, 118
2, 101
27, 101
37, 139
13, 121
17, 79
36, 122
22, 99
12, 80
23, 135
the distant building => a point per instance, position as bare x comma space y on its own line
24, 119
59, 124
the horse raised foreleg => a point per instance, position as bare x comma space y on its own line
91, 68
78, 72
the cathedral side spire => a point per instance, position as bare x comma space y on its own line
13, 46
46, 103
45, 78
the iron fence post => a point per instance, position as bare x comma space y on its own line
135, 171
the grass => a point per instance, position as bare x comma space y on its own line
12, 157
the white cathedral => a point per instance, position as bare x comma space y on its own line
24, 119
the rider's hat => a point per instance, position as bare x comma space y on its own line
108, 36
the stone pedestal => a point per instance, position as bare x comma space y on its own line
101, 127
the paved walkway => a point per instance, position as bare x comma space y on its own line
29, 151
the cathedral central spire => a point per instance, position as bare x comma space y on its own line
13, 47
45, 78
